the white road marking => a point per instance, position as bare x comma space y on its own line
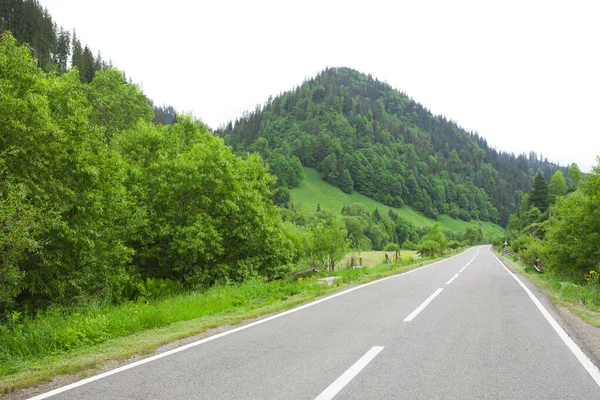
423, 305
583, 359
463, 268
220, 335
350, 373
451, 279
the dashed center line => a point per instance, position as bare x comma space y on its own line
413, 314
451, 279
463, 268
350, 373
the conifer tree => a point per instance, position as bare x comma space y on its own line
538, 196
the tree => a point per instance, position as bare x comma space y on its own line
328, 243
61, 186
346, 184
538, 196
472, 235
116, 104
557, 187
205, 214
434, 242
575, 176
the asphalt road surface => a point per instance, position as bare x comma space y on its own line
462, 328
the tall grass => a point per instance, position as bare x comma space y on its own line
58, 330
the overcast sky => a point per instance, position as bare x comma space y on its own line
523, 74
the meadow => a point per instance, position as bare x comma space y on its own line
314, 191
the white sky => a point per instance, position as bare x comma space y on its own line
523, 74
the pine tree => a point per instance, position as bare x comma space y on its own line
77, 55
376, 215
538, 196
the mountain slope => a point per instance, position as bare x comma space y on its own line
362, 135
313, 192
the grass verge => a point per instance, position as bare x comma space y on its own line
81, 341
581, 300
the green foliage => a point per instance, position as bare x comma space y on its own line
206, 214
557, 187
95, 197
61, 183
393, 149
572, 245
521, 243
314, 191
532, 252
538, 197
363, 136
472, 236
434, 242
392, 247
328, 243
116, 106
575, 176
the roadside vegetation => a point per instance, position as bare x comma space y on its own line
557, 231
62, 340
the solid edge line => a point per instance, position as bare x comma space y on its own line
576, 350
229, 332
350, 373
413, 314
451, 279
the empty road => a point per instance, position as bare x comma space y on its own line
462, 328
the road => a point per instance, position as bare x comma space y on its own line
462, 328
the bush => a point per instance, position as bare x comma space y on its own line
532, 252
392, 247
408, 245
521, 243
453, 244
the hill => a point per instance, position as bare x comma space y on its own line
364, 136
314, 191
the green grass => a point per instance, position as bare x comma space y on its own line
582, 300
80, 341
313, 190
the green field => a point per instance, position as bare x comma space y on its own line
313, 190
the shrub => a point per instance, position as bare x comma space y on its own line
392, 247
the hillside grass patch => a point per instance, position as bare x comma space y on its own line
315, 191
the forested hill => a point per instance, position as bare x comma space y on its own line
365, 136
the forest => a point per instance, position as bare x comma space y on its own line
365, 136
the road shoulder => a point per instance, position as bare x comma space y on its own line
585, 335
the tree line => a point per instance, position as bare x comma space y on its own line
94, 197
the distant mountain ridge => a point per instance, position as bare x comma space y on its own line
365, 136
